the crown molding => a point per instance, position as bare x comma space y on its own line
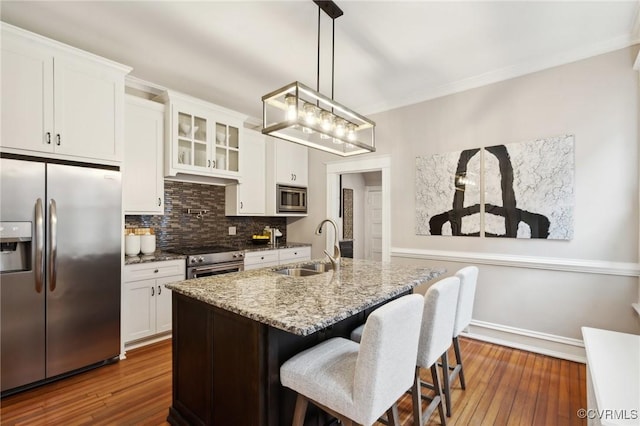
507, 73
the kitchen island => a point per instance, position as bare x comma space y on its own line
232, 332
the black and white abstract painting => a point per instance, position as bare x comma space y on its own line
529, 189
448, 194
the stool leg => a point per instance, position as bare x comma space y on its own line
446, 385
392, 415
300, 410
438, 395
416, 395
456, 349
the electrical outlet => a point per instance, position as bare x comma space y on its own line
232, 230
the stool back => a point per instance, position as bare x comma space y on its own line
437, 320
468, 279
386, 358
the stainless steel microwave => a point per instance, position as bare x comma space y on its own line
291, 199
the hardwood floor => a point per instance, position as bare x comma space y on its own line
504, 387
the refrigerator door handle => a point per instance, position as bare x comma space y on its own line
39, 231
53, 243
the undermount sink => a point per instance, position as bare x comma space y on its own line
306, 270
297, 272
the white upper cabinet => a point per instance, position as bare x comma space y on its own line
203, 139
247, 198
287, 164
291, 163
60, 101
142, 174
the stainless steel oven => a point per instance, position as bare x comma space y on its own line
214, 269
205, 261
291, 199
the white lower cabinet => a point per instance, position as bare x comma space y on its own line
291, 255
266, 258
260, 259
146, 310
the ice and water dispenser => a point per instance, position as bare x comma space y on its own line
15, 246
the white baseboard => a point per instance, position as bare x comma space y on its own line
528, 340
143, 342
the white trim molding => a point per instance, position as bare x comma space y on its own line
528, 340
361, 164
532, 262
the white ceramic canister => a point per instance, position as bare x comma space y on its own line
147, 243
131, 244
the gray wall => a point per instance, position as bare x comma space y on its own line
596, 100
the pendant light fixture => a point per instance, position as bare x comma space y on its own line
299, 114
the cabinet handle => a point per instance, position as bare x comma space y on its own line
153, 291
155, 271
241, 205
58, 139
159, 201
159, 290
209, 163
293, 177
49, 138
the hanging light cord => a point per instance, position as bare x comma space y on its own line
333, 52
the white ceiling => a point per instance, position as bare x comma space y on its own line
387, 53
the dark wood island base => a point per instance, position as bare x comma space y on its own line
226, 367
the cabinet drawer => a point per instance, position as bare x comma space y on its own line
260, 257
145, 271
294, 254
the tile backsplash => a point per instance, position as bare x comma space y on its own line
179, 229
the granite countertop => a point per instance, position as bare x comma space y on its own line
156, 256
304, 305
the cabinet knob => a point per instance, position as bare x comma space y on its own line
262, 258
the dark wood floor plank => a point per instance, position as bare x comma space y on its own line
504, 387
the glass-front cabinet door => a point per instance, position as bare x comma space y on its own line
192, 140
204, 139
227, 147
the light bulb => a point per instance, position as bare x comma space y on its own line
292, 110
351, 132
340, 129
326, 120
310, 114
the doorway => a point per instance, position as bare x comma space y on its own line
382, 166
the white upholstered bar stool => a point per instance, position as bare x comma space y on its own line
435, 340
468, 278
358, 383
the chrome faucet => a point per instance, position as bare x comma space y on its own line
335, 259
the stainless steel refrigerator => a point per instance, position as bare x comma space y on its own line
60, 257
